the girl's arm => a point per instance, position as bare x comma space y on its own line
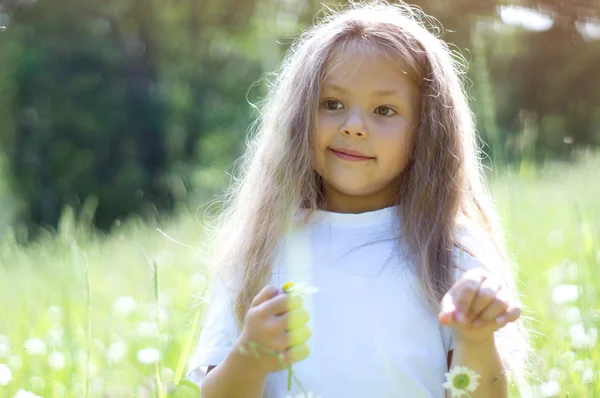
483, 358
235, 377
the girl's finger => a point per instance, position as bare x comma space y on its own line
486, 294
295, 354
267, 293
497, 307
464, 291
296, 318
448, 308
512, 313
283, 303
298, 336
483, 297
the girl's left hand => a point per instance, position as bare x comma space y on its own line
476, 306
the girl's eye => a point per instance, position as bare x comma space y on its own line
332, 105
385, 111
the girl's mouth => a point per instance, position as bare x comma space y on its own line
353, 157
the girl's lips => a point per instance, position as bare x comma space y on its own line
352, 158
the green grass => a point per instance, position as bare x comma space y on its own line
68, 289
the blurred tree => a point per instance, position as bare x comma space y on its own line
107, 102
554, 77
143, 103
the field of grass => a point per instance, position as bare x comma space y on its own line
115, 316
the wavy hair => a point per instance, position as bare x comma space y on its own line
441, 189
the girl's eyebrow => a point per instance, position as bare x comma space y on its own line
381, 93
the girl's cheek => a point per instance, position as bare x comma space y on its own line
327, 121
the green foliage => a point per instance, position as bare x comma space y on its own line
104, 103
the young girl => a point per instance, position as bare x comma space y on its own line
362, 180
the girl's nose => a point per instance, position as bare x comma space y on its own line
354, 126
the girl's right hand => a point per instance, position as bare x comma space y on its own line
275, 323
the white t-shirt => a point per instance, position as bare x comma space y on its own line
372, 335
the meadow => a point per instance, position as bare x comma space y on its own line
116, 315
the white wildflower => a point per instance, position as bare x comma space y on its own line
148, 356
5, 374
35, 346
565, 293
56, 360
300, 289
550, 389
124, 306
461, 381
116, 352
25, 394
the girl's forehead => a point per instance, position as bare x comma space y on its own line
348, 58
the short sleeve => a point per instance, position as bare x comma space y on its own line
218, 334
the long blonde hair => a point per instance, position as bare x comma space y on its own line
442, 184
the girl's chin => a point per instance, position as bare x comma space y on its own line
354, 190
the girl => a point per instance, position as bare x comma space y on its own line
362, 180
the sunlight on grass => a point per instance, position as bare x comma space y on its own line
115, 316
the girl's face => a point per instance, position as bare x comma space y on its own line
367, 110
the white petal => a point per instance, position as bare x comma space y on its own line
5, 374
148, 356
35, 346
565, 293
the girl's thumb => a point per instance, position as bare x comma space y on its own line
445, 315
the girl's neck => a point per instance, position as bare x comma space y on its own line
339, 202
356, 205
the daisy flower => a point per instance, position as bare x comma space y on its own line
5, 374
300, 289
461, 381
148, 356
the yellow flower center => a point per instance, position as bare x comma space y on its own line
461, 381
287, 286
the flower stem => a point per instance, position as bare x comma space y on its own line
289, 386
